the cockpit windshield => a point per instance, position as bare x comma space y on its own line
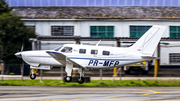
58, 48
67, 49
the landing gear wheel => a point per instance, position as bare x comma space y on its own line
80, 80
33, 76
68, 78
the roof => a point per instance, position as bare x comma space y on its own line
65, 38
93, 3
98, 12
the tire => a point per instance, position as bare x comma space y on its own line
68, 78
80, 80
33, 76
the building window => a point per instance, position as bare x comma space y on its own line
62, 30
138, 31
102, 31
82, 51
174, 58
94, 52
32, 28
105, 52
174, 31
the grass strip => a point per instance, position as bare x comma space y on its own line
95, 83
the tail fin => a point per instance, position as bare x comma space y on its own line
147, 44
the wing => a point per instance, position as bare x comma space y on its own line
62, 58
58, 56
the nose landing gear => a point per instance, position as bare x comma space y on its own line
33, 76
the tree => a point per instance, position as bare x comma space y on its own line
13, 33
4, 8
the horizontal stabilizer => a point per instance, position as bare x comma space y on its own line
148, 57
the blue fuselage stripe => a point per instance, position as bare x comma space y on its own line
106, 59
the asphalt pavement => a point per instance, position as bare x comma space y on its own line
25, 93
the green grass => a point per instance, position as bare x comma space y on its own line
95, 83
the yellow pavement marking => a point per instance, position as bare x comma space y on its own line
155, 92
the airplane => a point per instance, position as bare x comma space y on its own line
84, 57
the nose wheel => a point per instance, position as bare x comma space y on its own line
33, 76
80, 80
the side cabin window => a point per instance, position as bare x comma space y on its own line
105, 52
82, 51
94, 52
67, 49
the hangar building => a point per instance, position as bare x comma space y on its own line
103, 18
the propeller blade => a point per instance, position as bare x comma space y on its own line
22, 47
22, 69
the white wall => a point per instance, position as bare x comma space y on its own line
82, 28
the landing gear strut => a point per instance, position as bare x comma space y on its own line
33, 76
69, 67
81, 79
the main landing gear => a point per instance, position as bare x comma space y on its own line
69, 67
81, 79
68, 78
33, 76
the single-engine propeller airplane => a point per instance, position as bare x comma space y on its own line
84, 56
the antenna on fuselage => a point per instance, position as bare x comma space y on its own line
98, 43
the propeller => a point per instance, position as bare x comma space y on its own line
19, 55
22, 62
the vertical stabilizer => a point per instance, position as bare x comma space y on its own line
147, 44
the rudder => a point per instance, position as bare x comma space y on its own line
147, 44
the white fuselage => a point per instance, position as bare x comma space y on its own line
35, 58
85, 56
117, 57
